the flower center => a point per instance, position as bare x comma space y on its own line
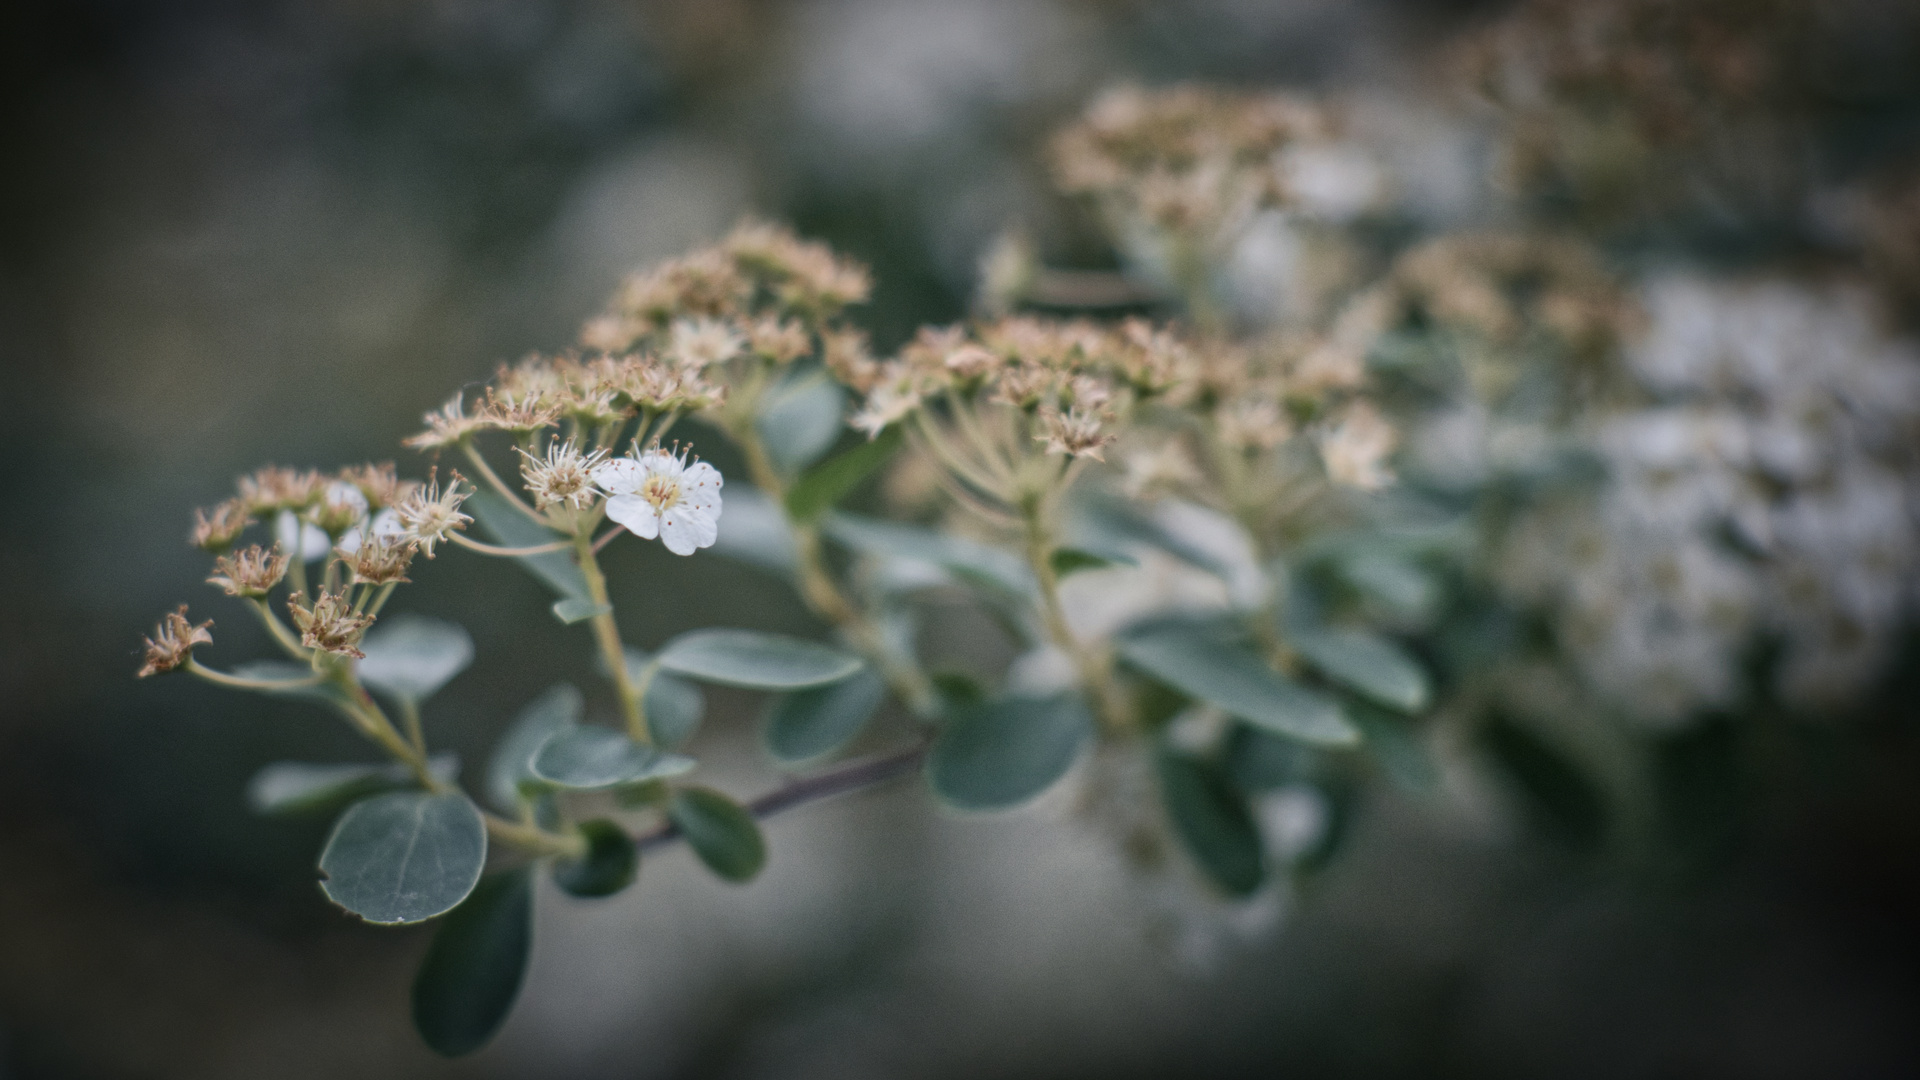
662, 491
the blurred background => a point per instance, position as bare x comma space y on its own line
240, 233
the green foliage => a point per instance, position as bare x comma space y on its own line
587, 758
1368, 663
992, 755
1065, 561
1001, 572
473, 969
755, 660
812, 723
674, 705
410, 657
819, 488
610, 864
578, 609
293, 788
1209, 665
510, 528
801, 418
512, 763
720, 831
404, 857
1213, 823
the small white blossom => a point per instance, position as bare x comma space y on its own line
661, 494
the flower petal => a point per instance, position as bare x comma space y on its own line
658, 462
619, 476
685, 529
636, 514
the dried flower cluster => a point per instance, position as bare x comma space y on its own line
1635, 107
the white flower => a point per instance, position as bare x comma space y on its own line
700, 343
659, 494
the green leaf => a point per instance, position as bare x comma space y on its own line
819, 488
1395, 742
1067, 561
610, 864
288, 788
1398, 587
1212, 667
1257, 761
587, 757
755, 660
1367, 662
800, 419
511, 765
511, 528
473, 970
978, 564
674, 705
992, 755
809, 723
756, 531
1213, 822
720, 831
412, 656
404, 857
578, 609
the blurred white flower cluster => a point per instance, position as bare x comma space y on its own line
1763, 496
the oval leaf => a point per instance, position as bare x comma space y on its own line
473, 970
674, 706
1213, 822
578, 609
756, 532
511, 765
404, 857
286, 788
817, 489
411, 656
610, 864
720, 831
1210, 667
587, 757
1367, 662
992, 755
511, 528
674, 709
808, 723
755, 660
800, 419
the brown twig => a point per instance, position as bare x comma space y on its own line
852, 776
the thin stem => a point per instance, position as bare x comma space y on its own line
818, 589
508, 552
493, 480
380, 598
297, 569
1096, 670
607, 537
533, 839
607, 633
282, 633
242, 682
410, 717
853, 776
